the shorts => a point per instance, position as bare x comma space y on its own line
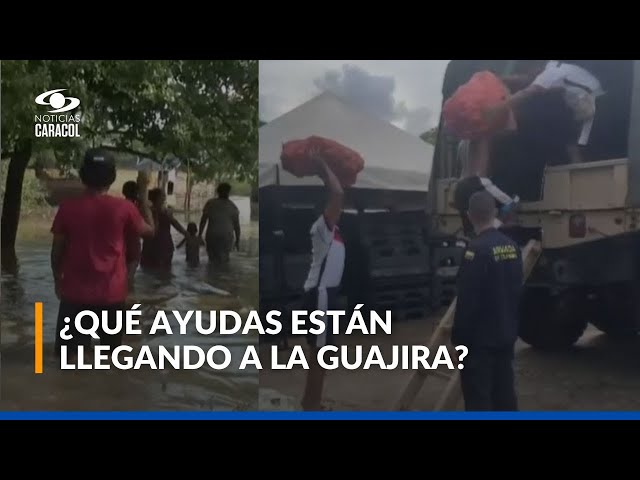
324, 299
70, 310
548, 120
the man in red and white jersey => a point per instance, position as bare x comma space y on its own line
324, 278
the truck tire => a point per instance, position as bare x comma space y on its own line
552, 321
614, 311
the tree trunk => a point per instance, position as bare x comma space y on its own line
187, 195
11, 205
189, 190
143, 180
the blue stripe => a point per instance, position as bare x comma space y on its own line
319, 415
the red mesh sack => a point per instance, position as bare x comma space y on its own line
345, 163
463, 112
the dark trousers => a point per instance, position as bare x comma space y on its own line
487, 380
70, 310
219, 248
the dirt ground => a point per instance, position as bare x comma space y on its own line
597, 374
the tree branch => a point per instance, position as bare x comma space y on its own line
130, 151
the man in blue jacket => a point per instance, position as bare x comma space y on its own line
486, 319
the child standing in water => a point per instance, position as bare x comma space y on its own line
192, 244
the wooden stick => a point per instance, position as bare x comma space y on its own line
442, 332
143, 183
451, 394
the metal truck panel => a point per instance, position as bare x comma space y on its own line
634, 139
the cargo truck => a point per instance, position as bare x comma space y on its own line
587, 215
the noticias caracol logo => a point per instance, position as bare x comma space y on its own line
57, 125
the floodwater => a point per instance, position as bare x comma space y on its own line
205, 288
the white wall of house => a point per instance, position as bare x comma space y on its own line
200, 193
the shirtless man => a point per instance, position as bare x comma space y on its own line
221, 218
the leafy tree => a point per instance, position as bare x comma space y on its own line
205, 111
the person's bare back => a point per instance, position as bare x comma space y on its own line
221, 222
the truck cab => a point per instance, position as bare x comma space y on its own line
586, 216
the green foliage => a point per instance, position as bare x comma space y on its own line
45, 159
241, 189
33, 193
430, 136
205, 110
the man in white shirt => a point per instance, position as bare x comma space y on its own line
580, 90
324, 278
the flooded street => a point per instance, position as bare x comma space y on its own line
204, 288
598, 374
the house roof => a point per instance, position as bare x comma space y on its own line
394, 159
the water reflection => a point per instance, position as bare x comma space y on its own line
204, 288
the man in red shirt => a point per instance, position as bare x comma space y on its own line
88, 254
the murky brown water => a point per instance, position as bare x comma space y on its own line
234, 288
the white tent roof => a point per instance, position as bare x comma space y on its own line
394, 159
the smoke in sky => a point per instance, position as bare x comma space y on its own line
374, 94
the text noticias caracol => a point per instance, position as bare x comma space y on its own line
228, 322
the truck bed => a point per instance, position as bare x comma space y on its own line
598, 190
588, 186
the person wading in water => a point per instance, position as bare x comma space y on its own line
157, 251
221, 218
131, 191
89, 252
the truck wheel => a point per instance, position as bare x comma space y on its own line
614, 311
552, 321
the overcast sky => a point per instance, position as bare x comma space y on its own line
406, 93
